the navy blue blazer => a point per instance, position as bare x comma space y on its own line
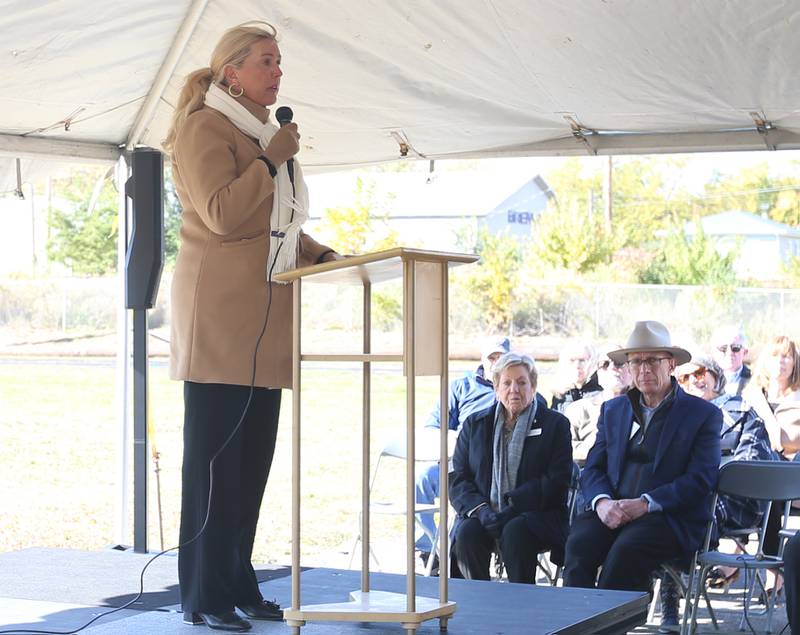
686, 462
544, 471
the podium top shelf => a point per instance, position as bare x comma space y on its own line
375, 267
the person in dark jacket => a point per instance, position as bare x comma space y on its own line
791, 559
729, 349
576, 376
512, 468
468, 394
650, 475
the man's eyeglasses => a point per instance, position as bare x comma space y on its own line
699, 374
607, 362
650, 362
735, 348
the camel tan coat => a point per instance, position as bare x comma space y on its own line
219, 289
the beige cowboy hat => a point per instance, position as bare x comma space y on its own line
648, 336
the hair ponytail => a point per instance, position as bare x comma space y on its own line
191, 98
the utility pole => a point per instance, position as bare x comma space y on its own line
608, 191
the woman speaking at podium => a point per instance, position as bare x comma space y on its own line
231, 325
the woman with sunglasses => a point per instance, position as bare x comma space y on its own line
743, 437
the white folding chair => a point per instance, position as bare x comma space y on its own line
395, 448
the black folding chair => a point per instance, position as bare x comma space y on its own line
543, 563
759, 480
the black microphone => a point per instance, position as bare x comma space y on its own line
284, 116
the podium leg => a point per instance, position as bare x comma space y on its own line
444, 396
296, 363
409, 297
366, 547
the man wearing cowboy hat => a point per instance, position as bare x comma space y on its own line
649, 477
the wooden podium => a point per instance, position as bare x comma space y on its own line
425, 352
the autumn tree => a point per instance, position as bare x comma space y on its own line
352, 229
493, 282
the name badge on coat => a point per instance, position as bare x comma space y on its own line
634, 430
535, 432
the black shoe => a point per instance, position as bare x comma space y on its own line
225, 621
264, 610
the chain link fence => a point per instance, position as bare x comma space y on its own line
37, 309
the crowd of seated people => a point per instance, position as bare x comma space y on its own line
650, 424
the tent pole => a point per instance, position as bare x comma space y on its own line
148, 109
121, 391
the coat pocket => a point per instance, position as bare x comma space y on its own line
248, 239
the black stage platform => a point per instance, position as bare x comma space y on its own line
56, 589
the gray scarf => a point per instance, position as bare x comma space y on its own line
508, 455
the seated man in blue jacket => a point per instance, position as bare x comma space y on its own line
648, 479
469, 394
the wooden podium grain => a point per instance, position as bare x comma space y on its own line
425, 352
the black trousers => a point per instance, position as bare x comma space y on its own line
518, 544
628, 555
214, 569
791, 582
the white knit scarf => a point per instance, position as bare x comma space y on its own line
289, 212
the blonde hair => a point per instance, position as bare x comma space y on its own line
231, 50
780, 345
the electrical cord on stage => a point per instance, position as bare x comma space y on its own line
211, 464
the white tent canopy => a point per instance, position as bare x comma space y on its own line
448, 78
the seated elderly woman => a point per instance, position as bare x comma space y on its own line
511, 473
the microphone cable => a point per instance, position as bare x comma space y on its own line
211, 465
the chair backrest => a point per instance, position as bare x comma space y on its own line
426, 448
395, 447
760, 480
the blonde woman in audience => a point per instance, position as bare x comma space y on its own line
774, 394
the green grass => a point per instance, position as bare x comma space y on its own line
59, 458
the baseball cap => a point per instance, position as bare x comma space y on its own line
495, 345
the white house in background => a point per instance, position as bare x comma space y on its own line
428, 210
765, 246
517, 213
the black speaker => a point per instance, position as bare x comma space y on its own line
144, 256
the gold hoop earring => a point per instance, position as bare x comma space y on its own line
232, 94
